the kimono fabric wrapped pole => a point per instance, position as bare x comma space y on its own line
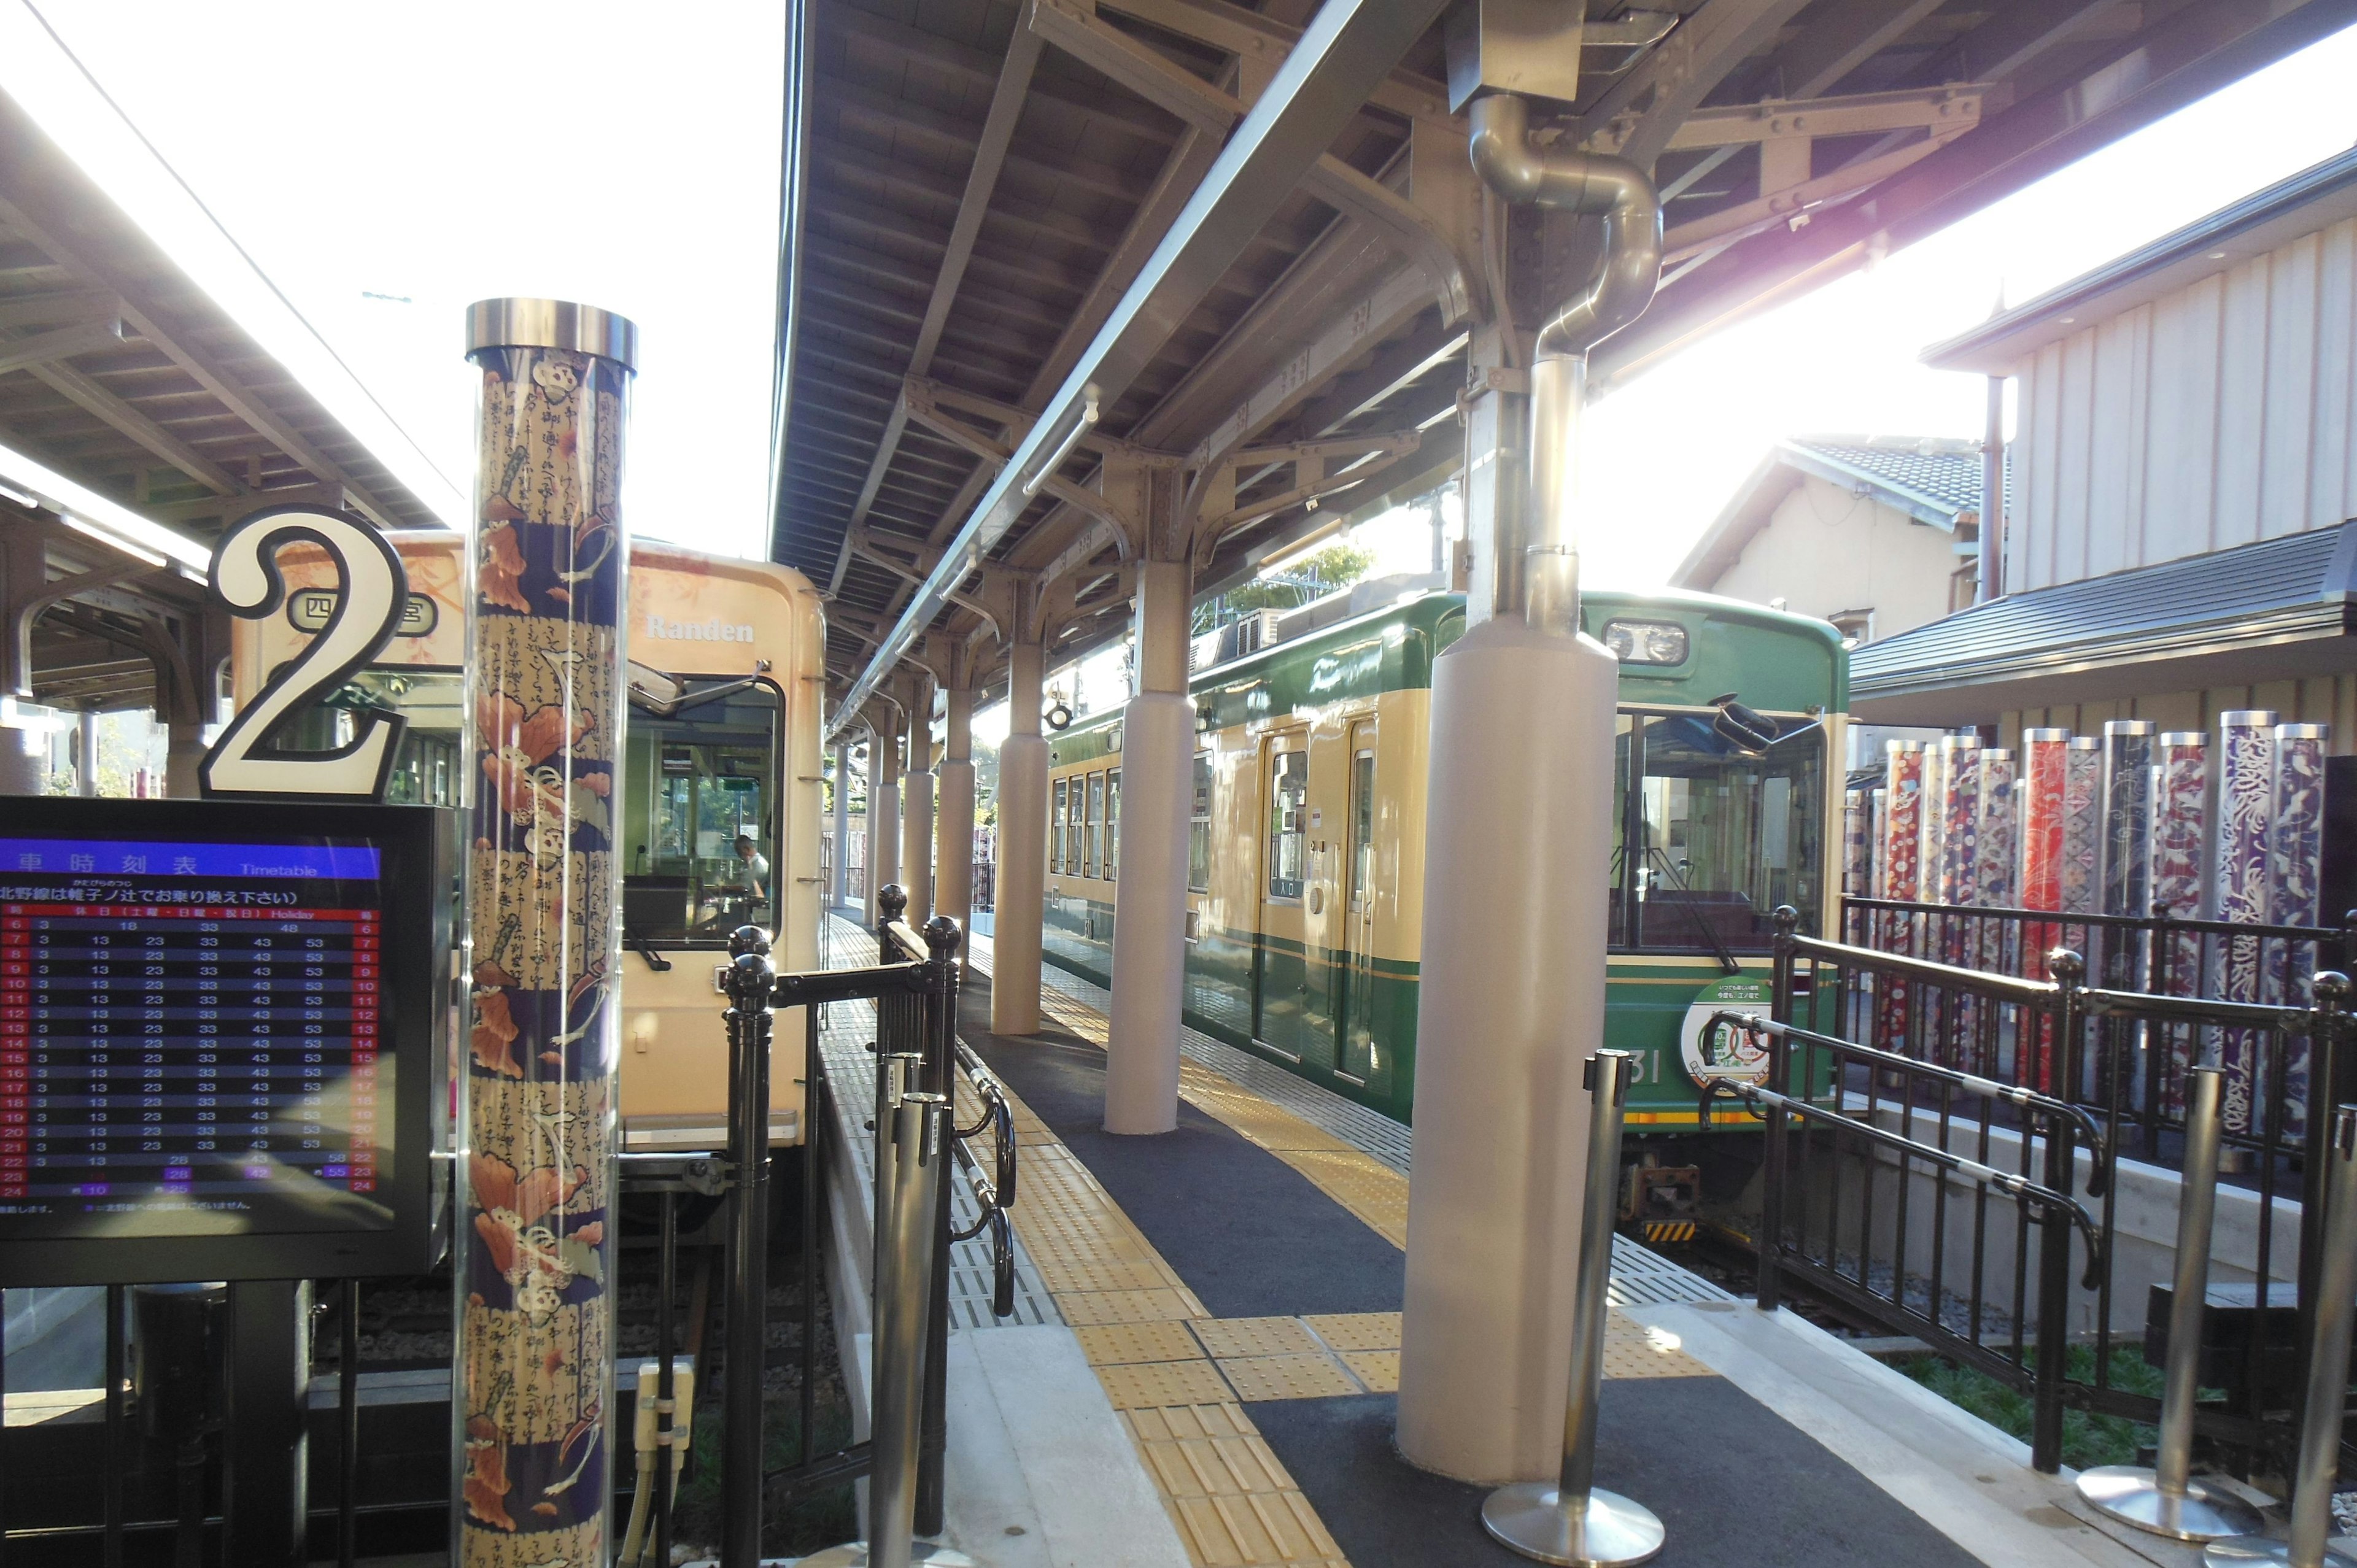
535, 1361
2180, 829
2246, 753
2295, 892
1902, 829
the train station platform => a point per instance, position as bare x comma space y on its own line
1209, 1319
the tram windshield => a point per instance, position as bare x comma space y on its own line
1710, 839
699, 821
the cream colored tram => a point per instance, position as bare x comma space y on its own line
726, 684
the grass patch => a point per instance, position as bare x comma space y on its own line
2088, 1439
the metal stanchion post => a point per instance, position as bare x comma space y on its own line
896, 1072
746, 1314
1573, 1523
2167, 1499
919, 1131
2327, 1398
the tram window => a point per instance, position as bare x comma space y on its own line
1716, 838
1094, 846
1288, 820
698, 818
1199, 828
1056, 821
1112, 824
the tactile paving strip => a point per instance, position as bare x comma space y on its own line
1357, 1330
1146, 1384
1379, 1370
1640, 1276
1224, 1337
1114, 1344
1306, 1376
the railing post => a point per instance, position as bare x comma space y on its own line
942, 939
1769, 1294
2327, 1062
1572, 1521
2054, 1231
2167, 1499
2325, 1397
919, 1128
891, 904
749, 982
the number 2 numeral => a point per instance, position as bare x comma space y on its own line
373, 589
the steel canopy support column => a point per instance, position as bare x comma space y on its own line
1149, 920
838, 892
883, 814
917, 805
1022, 871
953, 881
535, 1375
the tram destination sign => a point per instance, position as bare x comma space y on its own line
223, 1026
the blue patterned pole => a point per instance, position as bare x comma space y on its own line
2246, 757
2083, 826
535, 1357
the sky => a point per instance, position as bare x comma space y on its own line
378, 167
387, 165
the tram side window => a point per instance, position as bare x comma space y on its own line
1112, 824
1056, 820
1094, 847
1288, 820
1199, 828
1720, 837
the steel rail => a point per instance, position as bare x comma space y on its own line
1346, 52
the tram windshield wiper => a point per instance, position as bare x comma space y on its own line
1664, 872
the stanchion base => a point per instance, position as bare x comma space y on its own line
2241, 1551
1607, 1530
854, 1554
2130, 1494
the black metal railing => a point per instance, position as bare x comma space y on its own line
2013, 1087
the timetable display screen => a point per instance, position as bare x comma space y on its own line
192, 1036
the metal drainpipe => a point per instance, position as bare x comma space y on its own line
1992, 582
1590, 185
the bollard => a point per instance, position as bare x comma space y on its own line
2166, 1499
919, 1132
2328, 1381
1573, 1523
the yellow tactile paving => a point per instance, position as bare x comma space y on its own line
1163, 1382
1367, 1187
1631, 1349
1114, 1344
1226, 1336
1235, 1529
1082, 1307
1208, 1465
1379, 1370
1309, 1375
1357, 1330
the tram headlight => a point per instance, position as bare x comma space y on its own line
1646, 641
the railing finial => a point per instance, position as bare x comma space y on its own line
2066, 966
894, 899
749, 940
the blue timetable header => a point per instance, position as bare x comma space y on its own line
122, 857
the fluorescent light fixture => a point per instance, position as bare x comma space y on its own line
46, 78
109, 522
1055, 460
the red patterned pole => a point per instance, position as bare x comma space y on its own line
535, 1354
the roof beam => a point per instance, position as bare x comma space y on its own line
1844, 36
981, 180
63, 343
168, 334
78, 388
1073, 26
1350, 47
1265, 38
1666, 84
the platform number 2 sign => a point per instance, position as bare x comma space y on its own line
373, 589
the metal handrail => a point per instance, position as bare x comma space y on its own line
2209, 1010
2004, 987
1970, 1083
2019, 1188
2175, 925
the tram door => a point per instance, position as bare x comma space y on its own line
1355, 963
1282, 1003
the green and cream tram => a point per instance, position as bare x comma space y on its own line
1307, 867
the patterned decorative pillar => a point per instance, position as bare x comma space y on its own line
535, 1362
2180, 814
1932, 827
2126, 866
1994, 856
1855, 808
2044, 757
2083, 825
1960, 832
1902, 847
2295, 890
1877, 803
2246, 757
